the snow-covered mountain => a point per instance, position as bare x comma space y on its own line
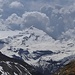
47, 45
37, 48
11, 66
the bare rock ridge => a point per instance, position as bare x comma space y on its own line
68, 69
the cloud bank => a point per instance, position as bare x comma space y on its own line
49, 15
36, 19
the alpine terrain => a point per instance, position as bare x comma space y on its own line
37, 37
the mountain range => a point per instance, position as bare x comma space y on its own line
37, 37
38, 49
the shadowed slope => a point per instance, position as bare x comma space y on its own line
11, 66
69, 69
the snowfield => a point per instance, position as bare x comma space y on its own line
37, 48
5, 34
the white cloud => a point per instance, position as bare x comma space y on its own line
13, 22
52, 19
13, 19
61, 18
68, 35
37, 19
16, 4
28, 19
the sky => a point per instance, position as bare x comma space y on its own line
55, 17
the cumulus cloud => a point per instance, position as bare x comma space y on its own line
16, 4
37, 19
28, 19
13, 22
53, 19
61, 18
56, 19
14, 18
68, 35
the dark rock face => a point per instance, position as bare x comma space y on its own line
38, 54
11, 66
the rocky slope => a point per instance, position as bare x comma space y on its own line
11, 66
68, 69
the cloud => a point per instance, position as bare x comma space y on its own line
68, 35
28, 19
56, 20
3, 26
1, 10
16, 4
53, 18
37, 19
61, 18
14, 18
13, 22
3, 2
